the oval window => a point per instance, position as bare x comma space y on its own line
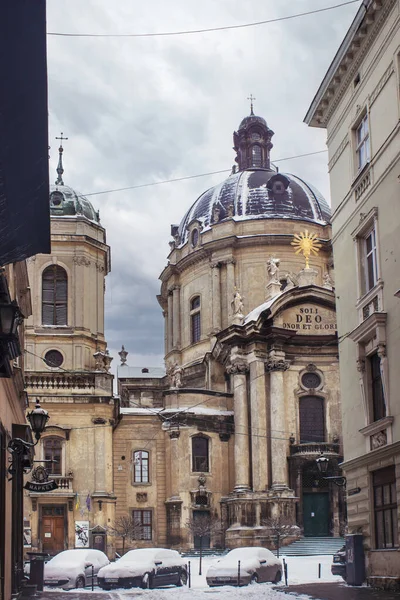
53, 358
311, 380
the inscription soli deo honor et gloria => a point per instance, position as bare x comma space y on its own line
308, 319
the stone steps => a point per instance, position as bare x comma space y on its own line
309, 546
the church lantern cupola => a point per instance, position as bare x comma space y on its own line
252, 142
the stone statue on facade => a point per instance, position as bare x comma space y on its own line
327, 281
273, 269
237, 308
175, 374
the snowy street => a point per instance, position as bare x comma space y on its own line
301, 569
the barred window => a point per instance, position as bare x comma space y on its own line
143, 524
312, 421
54, 296
200, 454
141, 466
385, 508
195, 319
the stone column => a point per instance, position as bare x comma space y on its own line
216, 297
176, 327
230, 286
169, 323
258, 411
276, 365
176, 457
241, 449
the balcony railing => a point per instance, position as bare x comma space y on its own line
314, 448
57, 381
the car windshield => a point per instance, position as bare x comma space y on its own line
70, 557
241, 553
138, 556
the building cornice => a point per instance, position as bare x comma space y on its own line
366, 26
375, 456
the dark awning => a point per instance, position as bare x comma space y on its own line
24, 178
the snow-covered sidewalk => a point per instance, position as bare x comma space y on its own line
301, 569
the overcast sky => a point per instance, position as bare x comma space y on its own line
143, 110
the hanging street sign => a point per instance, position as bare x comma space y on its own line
41, 482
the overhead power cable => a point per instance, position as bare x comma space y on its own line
142, 185
208, 30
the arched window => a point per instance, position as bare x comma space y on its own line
256, 156
141, 466
52, 450
200, 461
312, 420
195, 319
54, 296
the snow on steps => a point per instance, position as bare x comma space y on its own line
313, 546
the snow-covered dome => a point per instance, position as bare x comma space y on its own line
255, 190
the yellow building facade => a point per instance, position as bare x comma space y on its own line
67, 369
358, 103
231, 430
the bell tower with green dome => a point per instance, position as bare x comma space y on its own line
67, 368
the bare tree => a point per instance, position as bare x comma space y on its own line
281, 527
127, 528
203, 526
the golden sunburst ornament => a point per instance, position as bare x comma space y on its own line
307, 244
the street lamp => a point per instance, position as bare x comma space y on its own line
323, 464
21, 449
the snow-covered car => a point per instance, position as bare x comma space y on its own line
146, 568
73, 568
256, 565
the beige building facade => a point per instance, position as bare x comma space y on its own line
358, 103
230, 432
67, 369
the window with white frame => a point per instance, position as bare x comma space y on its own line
140, 466
362, 143
369, 258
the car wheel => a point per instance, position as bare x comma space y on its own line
146, 582
278, 577
80, 582
182, 579
254, 578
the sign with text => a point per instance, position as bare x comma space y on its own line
41, 488
308, 319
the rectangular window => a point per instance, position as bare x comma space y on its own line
378, 400
370, 264
196, 327
385, 508
143, 524
362, 143
141, 466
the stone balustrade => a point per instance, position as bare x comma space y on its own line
315, 448
56, 381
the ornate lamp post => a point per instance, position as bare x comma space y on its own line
323, 464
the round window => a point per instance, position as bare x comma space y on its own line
56, 199
195, 237
311, 380
53, 358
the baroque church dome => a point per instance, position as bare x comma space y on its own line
67, 202
255, 189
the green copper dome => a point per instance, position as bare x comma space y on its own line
66, 202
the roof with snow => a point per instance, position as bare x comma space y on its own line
124, 372
67, 202
257, 194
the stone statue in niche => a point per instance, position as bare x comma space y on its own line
273, 269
